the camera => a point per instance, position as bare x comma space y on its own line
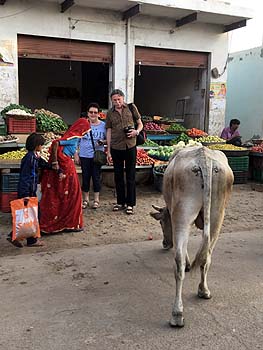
127, 129
100, 142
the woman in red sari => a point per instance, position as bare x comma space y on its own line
61, 202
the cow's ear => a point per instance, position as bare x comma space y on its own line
156, 216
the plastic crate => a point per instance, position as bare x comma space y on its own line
21, 126
257, 161
257, 175
9, 182
158, 181
2, 129
5, 199
239, 163
240, 177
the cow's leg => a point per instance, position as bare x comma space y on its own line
181, 240
203, 290
187, 262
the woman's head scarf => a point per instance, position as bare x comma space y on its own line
77, 129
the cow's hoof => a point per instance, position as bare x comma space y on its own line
177, 320
204, 294
166, 245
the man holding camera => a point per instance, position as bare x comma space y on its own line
121, 142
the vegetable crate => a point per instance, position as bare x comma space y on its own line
3, 130
21, 126
9, 182
240, 177
5, 199
238, 163
257, 167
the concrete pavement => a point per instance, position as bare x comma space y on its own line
120, 297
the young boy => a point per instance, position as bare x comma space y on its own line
27, 186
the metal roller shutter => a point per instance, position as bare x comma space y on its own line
30, 46
149, 56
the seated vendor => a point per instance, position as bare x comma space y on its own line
231, 133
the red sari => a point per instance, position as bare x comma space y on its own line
61, 202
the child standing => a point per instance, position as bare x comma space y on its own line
27, 185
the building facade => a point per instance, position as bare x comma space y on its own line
61, 56
244, 94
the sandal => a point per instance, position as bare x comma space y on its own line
118, 207
85, 204
129, 210
16, 243
96, 204
36, 244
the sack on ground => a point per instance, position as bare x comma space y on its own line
100, 157
25, 219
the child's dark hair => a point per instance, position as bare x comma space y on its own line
33, 141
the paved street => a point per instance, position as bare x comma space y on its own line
120, 297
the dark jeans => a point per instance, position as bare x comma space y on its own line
119, 158
90, 170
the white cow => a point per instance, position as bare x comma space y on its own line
196, 187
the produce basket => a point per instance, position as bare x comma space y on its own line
240, 177
212, 143
155, 132
9, 182
5, 199
238, 163
175, 132
21, 126
20, 116
235, 153
257, 166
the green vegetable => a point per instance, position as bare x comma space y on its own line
14, 106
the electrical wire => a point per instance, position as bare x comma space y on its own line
20, 12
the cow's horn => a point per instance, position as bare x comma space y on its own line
157, 208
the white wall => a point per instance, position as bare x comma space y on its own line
45, 19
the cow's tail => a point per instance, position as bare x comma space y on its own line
206, 167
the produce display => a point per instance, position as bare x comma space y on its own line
50, 136
160, 168
13, 106
149, 143
143, 158
47, 113
48, 121
227, 147
151, 126
8, 138
176, 127
258, 148
21, 113
210, 139
102, 115
165, 152
13, 155
195, 132
183, 137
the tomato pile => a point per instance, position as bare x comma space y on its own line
196, 132
142, 158
258, 148
150, 126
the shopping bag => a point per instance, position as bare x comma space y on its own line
25, 218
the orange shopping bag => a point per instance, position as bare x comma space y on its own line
25, 218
